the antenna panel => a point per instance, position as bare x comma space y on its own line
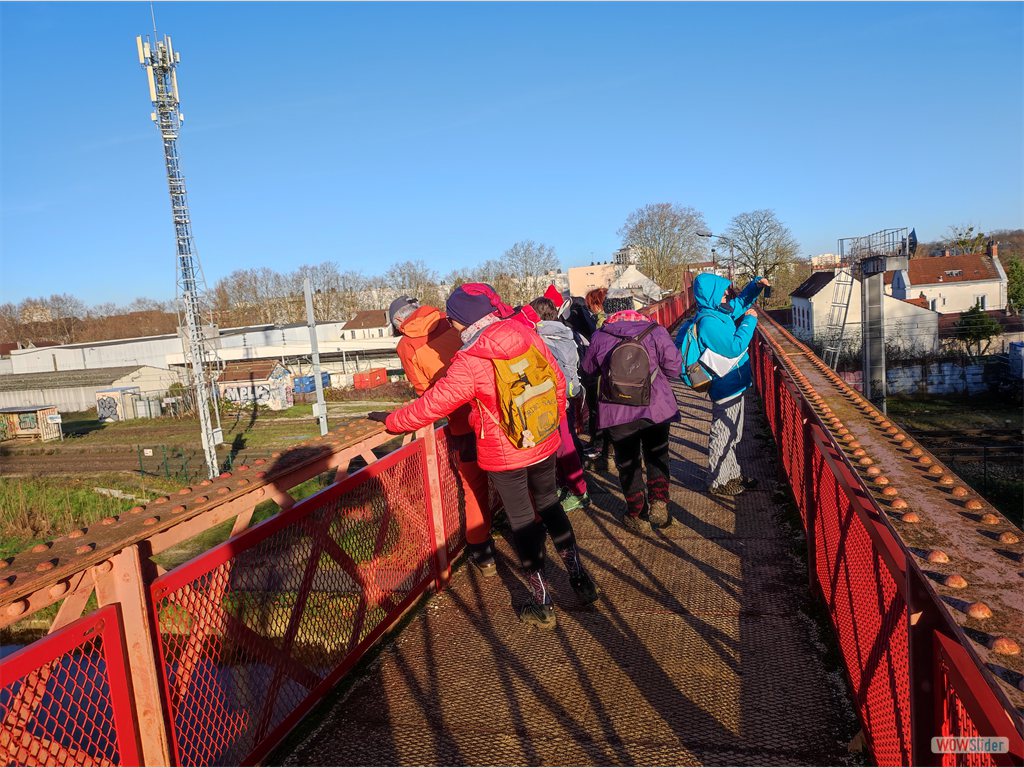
142, 56
174, 85
146, 50
152, 84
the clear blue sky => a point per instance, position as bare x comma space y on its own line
373, 133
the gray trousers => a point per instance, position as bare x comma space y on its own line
726, 433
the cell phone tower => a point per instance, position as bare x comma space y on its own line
159, 60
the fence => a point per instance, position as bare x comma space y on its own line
911, 676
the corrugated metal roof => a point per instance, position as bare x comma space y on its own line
26, 408
90, 377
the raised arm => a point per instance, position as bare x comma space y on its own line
747, 297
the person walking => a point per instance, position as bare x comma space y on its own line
517, 395
427, 346
562, 342
725, 328
636, 360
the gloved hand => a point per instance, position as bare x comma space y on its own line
380, 416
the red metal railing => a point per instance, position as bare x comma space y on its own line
910, 676
253, 632
66, 699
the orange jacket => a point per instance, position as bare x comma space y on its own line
426, 349
470, 379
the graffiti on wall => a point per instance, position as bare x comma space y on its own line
106, 409
248, 393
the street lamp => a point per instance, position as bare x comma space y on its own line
732, 252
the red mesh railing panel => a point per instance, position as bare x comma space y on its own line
252, 631
869, 615
791, 447
957, 722
64, 699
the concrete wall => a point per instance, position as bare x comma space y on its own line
940, 378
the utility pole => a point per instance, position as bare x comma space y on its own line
159, 60
320, 408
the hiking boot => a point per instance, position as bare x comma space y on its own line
636, 524
534, 615
733, 488
658, 514
571, 502
600, 464
584, 587
485, 567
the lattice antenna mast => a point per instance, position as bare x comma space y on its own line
159, 59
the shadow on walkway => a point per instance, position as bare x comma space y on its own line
698, 652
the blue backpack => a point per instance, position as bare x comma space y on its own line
694, 374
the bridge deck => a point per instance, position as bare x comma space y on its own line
699, 651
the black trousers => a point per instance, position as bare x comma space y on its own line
515, 486
632, 441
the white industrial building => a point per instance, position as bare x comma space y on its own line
72, 391
287, 343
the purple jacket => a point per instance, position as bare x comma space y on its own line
666, 364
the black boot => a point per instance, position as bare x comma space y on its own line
584, 587
539, 612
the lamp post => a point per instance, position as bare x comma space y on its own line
732, 252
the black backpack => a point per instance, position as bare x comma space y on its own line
626, 375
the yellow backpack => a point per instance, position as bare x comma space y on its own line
527, 398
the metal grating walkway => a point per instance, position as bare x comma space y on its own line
699, 652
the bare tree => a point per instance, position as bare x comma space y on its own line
665, 235
415, 279
10, 324
963, 239
523, 271
763, 244
66, 313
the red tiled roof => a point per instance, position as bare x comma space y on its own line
6, 347
918, 302
935, 270
1009, 323
248, 370
370, 318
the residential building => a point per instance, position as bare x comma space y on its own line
258, 382
369, 324
825, 261
626, 256
953, 283
585, 279
909, 323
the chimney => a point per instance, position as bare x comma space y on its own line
946, 253
993, 249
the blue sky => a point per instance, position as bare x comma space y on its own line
373, 133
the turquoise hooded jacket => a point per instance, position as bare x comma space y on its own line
723, 328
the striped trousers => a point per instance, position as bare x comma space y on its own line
726, 433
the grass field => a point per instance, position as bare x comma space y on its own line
36, 507
1001, 483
